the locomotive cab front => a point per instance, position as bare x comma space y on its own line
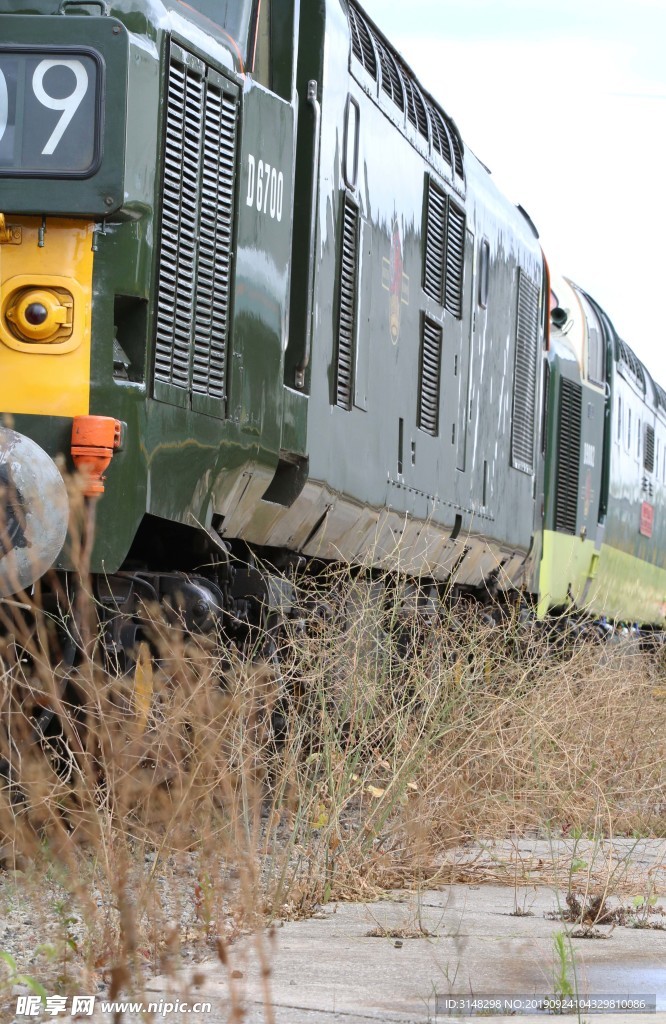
61, 172
145, 234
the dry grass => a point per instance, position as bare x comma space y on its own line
400, 738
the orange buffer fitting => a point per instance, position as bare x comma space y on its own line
94, 440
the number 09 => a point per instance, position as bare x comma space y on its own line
67, 104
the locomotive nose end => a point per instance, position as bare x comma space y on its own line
34, 512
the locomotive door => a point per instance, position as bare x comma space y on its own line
465, 407
478, 412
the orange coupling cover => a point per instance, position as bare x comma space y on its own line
94, 440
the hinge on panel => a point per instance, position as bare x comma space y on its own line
10, 234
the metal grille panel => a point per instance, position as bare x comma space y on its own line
455, 260
630, 363
177, 258
416, 111
391, 80
457, 151
399, 82
440, 133
430, 376
211, 325
568, 456
194, 261
435, 243
648, 449
347, 305
524, 377
362, 47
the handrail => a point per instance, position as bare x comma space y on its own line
309, 326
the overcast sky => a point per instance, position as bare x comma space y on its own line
565, 102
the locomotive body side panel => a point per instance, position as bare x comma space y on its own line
205, 414
389, 482
318, 325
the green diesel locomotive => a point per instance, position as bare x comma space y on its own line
258, 295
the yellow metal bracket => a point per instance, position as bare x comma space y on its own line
10, 234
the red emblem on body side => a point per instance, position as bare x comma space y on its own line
647, 519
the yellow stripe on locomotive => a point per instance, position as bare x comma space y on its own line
45, 317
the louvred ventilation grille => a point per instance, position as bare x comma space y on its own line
391, 80
416, 111
211, 324
399, 82
435, 241
568, 456
180, 208
444, 253
362, 47
430, 374
648, 449
194, 256
440, 134
347, 305
630, 364
524, 377
455, 259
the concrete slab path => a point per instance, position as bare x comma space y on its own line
398, 960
